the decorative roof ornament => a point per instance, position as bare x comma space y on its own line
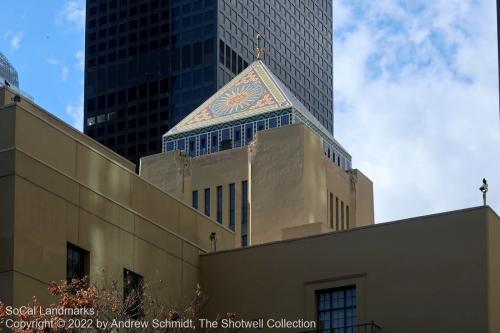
260, 49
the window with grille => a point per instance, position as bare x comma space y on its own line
337, 310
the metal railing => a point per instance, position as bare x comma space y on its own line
361, 328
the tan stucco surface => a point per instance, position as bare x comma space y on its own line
427, 274
290, 181
437, 273
58, 186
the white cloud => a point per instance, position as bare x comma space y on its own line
52, 61
80, 58
76, 113
64, 69
64, 73
73, 13
15, 40
416, 96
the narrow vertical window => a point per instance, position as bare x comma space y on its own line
203, 144
219, 204
195, 199
342, 215
207, 201
192, 147
347, 216
337, 226
331, 210
133, 294
244, 213
232, 197
228, 57
221, 51
249, 133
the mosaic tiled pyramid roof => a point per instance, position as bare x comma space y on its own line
254, 91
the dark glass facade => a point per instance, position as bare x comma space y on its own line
298, 43
149, 63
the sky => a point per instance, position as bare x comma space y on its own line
415, 88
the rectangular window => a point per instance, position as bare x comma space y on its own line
219, 204
221, 52
133, 294
169, 146
203, 144
331, 210
77, 262
215, 142
181, 144
248, 133
192, 147
232, 201
237, 136
233, 62
195, 199
244, 212
342, 214
273, 122
285, 120
337, 227
207, 201
260, 125
228, 57
337, 310
347, 216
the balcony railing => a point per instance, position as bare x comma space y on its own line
362, 328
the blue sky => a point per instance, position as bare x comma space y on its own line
416, 91
45, 43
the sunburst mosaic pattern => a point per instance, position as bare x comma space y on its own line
251, 91
237, 99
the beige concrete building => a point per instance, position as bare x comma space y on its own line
255, 159
437, 273
62, 194
293, 188
69, 206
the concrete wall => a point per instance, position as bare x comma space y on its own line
177, 174
170, 172
7, 166
427, 274
493, 248
277, 183
364, 211
290, 182
56, 187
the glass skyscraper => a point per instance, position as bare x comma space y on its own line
149, 63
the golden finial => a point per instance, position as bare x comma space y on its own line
260, 50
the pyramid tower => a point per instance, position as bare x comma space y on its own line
253, 101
